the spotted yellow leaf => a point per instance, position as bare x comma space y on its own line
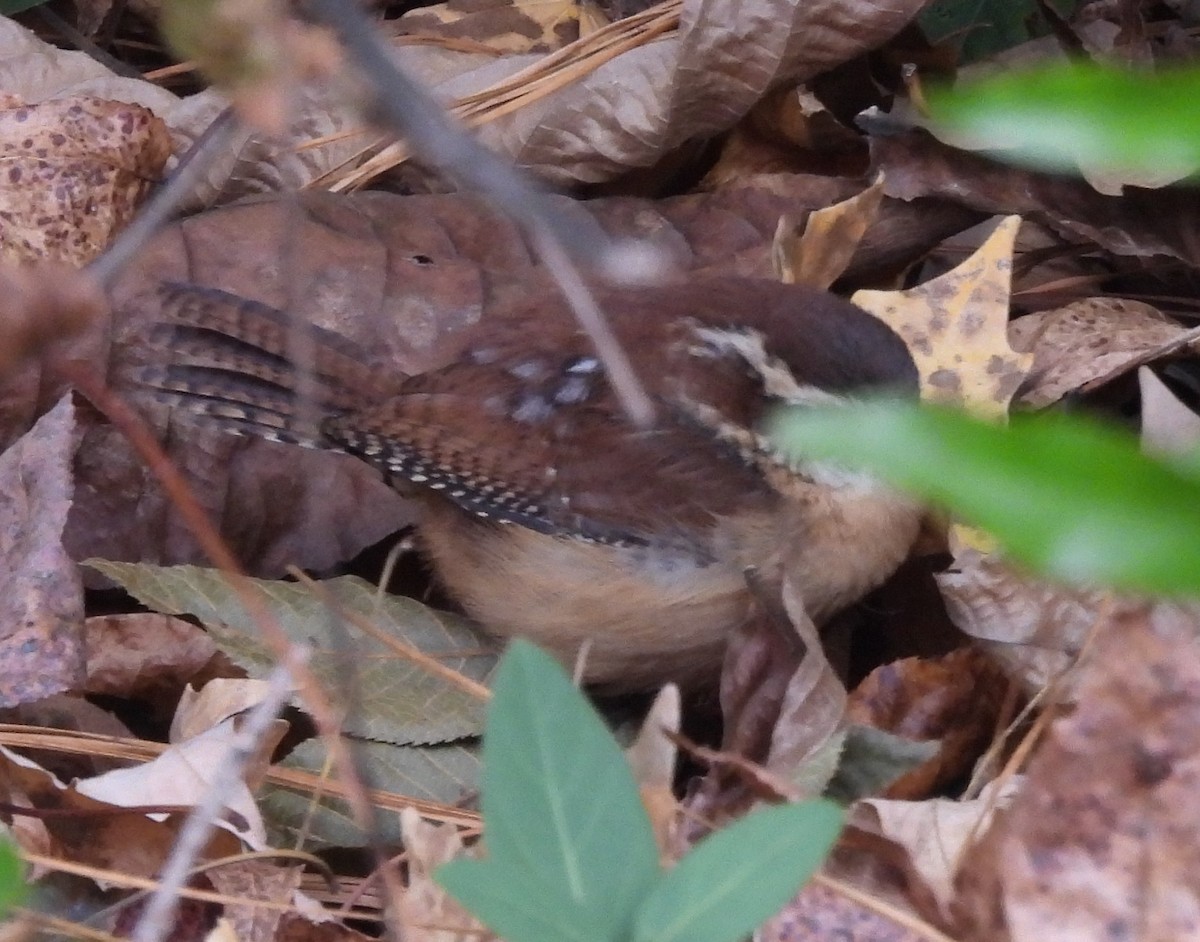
957, 328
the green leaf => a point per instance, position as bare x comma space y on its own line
736, 878
516, 906
12, 877
394, 700
565, 828
1076, 113
982, 27
448, 773
1074, 499
872, 759
9, 7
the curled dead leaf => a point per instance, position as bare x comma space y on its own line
818, 256
41, 624
695, 81
1095, 339
954, 700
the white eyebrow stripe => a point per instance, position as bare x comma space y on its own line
778, 381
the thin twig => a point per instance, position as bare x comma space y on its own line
143, 441
156, 918
633, 397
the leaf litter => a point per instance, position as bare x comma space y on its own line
413, 270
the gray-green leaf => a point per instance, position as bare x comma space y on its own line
563, 821
393, 700
735, 879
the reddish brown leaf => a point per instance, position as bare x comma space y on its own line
954, 699
143, 654
41, 625
1102, 841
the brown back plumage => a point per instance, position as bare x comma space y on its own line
522, 426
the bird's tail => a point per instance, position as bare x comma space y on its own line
249, 369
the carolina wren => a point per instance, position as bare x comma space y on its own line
546, 514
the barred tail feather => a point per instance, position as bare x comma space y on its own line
250, 370
235, 403
234, 323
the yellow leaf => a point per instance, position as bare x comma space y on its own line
957, 328
820, 254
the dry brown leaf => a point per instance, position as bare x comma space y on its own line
254, 880
142, 654
782, 707
956, 327
805, 744
788, 131
1088, 340
1102, 841
41, 638
629, 112
954, 699
653, 757
759, 665
215, 702
76, 170
1140, 223
652, 98
934, 835
183, 775
38, 71
68, 713
95, 832
1034, 629
819, 254
428, 911
22, 782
